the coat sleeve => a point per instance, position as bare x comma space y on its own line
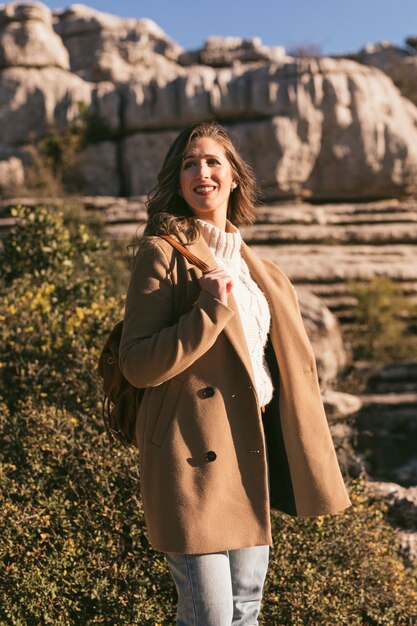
152, 348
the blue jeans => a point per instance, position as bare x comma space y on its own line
221, 588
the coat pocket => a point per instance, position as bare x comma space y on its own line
166, 412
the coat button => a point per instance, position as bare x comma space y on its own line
208, 392
211, 456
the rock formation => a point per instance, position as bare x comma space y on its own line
387, 423
107, 47
229, 51
27, 38
400, 64
314, 128
402, 513
311, 127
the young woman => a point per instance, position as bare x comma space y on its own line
232, 420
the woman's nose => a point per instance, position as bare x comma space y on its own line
203, 170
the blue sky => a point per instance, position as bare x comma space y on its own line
335, 25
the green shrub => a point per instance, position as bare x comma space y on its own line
59, 148
54, 156
55, 311
340, 570
74, 548
380, 332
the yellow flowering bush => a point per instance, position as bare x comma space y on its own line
55, 311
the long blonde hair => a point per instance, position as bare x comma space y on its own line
168, 212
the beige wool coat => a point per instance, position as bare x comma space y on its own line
204, 443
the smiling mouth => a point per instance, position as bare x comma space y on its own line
204, 190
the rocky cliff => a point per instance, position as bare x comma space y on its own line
314, 128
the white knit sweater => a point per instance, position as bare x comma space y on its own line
251, 302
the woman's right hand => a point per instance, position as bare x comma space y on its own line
217, 283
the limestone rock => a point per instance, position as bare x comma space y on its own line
313, 128
96, 170
32, 101
325, 139
324, 333
331, 128
399, 64
393, 378
402, 513
340, 406
142, 157
158, 103
227, 51
12, 172
107, 104
23, 12
389, 413
27, 38
406, 474
382, 55
387, 424
106, 47
340, 410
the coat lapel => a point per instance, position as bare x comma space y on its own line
233, 329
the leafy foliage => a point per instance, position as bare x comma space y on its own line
53, 170
74, 548
381, 331
341, 570
59, 148
54, 312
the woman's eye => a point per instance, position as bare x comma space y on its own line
213, 161
188, 164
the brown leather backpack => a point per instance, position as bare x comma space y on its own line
121, 399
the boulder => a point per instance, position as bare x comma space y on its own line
324, 333
335, 131
23, 12
12, 172
339, 406
27, 38
400, 64
341, 409
228, 51
331, 129
160, 103
142, 157
107, 102
95, 171
34, 101
387, 422
106, 47
382, 55
402, 513
406, 474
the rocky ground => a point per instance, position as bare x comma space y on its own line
322, 247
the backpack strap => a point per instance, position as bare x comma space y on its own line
188, 255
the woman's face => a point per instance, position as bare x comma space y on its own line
206, 180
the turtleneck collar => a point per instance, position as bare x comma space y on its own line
224, 244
